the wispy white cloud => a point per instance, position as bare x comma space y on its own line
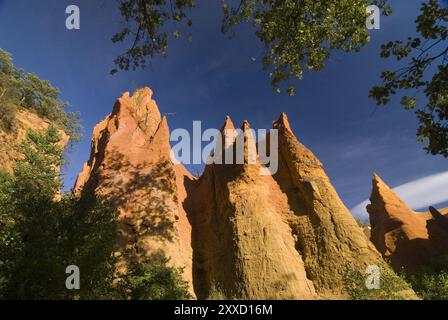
418, 194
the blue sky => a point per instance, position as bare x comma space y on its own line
214, 76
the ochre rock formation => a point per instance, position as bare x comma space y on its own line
328, 238
243, 245
234, 231
130, 165
25, 120
407, 238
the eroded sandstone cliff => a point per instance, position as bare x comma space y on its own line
328, 238
130, 165
243, 245
407, 238
25, 120
234, 231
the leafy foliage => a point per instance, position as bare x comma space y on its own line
7, 96
21, 89
41, 233
150, 16
153, 279
431, 283
215, 293
298, 34
40, 236
425, 71
392, 287
7, 116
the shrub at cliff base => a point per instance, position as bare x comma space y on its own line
431, 283
152, 279
392, 287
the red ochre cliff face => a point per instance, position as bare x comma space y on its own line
130, 164
407, 238
25, 120
248, 236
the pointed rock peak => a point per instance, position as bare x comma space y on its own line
228, 124
164, 122
228, 132
141, 108
125, 95
282, 123
145, 91
379, 185
381, 191
250, 148
376, 177
141, 98
245, 126
138, 93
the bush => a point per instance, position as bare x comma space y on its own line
153, 279
431, 282
392, 286
40, 237
215, 293
7, 115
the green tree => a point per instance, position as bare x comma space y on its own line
10, 243
41, 235
8, 95
297, 34
424, 74
7, 115
27, 90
